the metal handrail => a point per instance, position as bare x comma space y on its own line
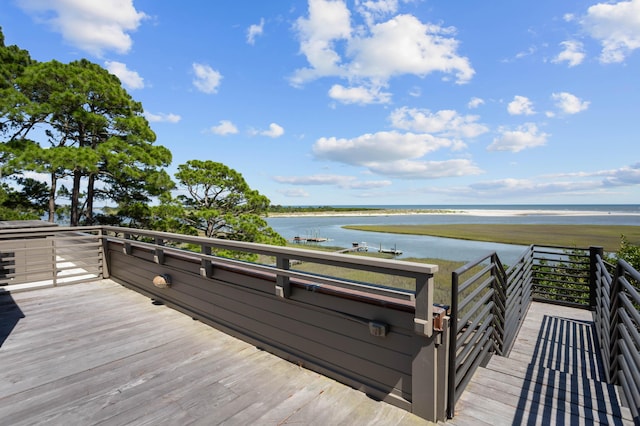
534, 276
473, 334
623, 345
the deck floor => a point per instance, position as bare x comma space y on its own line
98, 353
553, 375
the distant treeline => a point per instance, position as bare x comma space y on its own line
314, 209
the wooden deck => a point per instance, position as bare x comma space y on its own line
552, 376
101, 354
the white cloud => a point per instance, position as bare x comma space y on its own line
623, 176
370, 55
162, 117
404, 45
374, 10
394, 154
475, 103
415, 92
568, 103
207, 79
294, 193
520, 105
526, 188
341, 181
444, 122
616, 26
254, 31
129, 78
409, 169
328, 22
524, 137
378, 147
93, 26
225, 127
573, 53
274, 131
359, 95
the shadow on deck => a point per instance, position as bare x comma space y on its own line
553, 375
10, 314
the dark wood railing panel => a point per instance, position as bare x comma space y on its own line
368, 340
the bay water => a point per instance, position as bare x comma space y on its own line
331, 227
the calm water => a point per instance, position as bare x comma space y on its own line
446, 248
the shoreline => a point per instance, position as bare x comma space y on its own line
469, 212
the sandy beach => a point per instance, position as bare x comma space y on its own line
469, 212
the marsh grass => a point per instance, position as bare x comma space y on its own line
607, 236
442, 278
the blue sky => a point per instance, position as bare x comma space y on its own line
374, 102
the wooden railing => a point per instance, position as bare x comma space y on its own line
383, 340
49, 256
376, 338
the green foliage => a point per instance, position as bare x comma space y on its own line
218, 203
563, 277
318, 209
85, 126
14, 205
630, 253
25, 199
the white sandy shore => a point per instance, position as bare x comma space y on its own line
470, 212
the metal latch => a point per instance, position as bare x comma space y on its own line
439, 314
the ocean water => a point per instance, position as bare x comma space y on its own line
447, 248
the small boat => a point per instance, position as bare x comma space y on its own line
394, 251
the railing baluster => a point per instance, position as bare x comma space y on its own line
283, 283
206, 267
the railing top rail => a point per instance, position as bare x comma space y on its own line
629, 270
399, 267
361, 262
571, 248
395, 293
464, 268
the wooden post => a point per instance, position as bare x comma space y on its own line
423, 321
206, 268
127, 246
158, 255
105, 251
283, 285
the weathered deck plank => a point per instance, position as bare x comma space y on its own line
552, 376
101, 354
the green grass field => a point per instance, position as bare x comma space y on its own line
607, 236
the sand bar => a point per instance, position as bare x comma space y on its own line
468, 212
